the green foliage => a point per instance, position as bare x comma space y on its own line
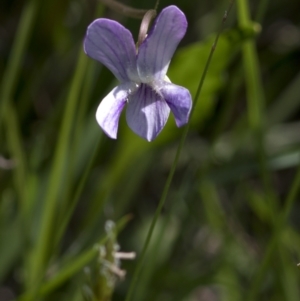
229, 229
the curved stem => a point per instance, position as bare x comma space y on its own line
149, 15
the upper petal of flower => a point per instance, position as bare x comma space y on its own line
112, 44
110, 108
179, 100
157, 49
147, 112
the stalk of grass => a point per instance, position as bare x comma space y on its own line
43, 247
15, 145
288, 277
272, 245
17, 53
60, 168
255, 99
255, 95
141, 260
77, 129
8, 115
256, 102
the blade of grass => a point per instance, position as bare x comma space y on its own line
60, 166
78, 132
272, 245
68, 207
15, 145
255, 95
41, 252
255, 100
289, 276
18, 49
8, 116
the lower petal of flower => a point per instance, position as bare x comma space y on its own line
110, 108
147, 112
179, 100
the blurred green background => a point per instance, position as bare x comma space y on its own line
230, 227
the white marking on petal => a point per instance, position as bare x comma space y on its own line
147, 112
110, 108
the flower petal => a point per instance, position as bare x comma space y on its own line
157, 49
110, 43
179, 100
147, 113
110, 108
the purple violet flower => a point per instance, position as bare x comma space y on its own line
144, 87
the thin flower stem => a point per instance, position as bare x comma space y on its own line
174, 165
148, 17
